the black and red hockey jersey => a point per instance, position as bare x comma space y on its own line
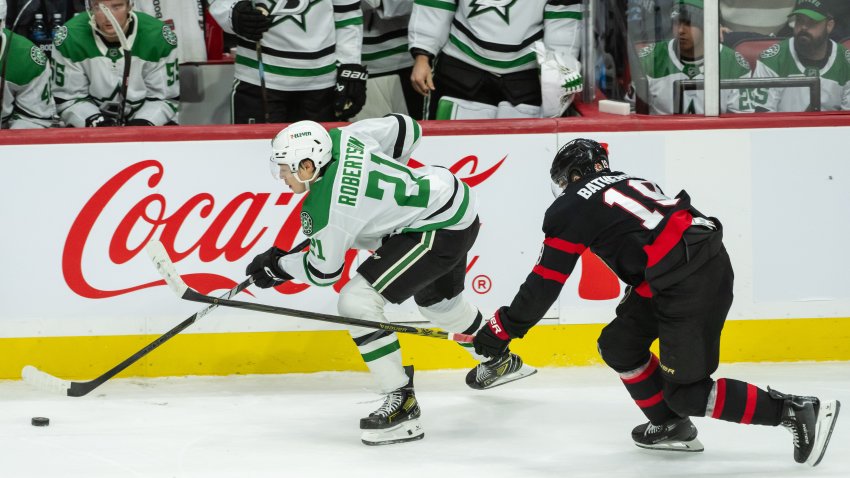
648, 239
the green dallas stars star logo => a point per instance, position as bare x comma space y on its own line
299, 9
501, 7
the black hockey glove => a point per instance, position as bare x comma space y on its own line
249, 22
99, 121
265, 270
492, 340
138, 122
350, 90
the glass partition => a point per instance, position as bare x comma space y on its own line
774, 55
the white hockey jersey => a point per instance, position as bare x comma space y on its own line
663, 67
368, 192
385, 48
88, 73
301, 50
496, 35
27, 102
186, 18
781, 61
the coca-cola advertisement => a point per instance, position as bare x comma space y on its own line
77, 216
83, 213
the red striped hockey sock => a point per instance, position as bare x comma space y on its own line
644, 385
741, 402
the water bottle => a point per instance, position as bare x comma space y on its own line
39, 34
57, 24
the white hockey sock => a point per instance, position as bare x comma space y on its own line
379, 348
455, 315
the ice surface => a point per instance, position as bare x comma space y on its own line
561, 422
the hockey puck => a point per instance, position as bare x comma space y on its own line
40, 421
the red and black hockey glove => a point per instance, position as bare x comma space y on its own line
265, 271
492, 340
350, 90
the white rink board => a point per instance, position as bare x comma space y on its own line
783, 201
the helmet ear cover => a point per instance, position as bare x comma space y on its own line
298, 142
576, 159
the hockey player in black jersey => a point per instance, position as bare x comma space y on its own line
679, 280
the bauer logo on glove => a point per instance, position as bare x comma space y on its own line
350, 90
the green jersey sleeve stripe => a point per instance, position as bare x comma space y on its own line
554, 15
310, 275
450, 6
347, 22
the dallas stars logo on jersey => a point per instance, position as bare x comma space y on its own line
295, 10
501, 7
306, 223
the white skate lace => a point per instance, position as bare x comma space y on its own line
392, 402
651, 429
484, 370
794, 432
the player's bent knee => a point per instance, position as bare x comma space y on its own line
614, 357
359, 300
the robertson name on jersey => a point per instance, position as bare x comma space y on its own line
368, 192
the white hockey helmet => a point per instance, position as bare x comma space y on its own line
297, 142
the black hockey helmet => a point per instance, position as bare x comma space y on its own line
576, 159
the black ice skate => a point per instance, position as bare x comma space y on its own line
810, 421
498, 371
677, 434
397, 420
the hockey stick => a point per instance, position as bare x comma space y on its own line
45, 381
128, 57
167, 270
262, 72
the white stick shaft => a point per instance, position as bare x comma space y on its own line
165, 267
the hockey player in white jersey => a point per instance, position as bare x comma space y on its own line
308, 66
480, 53
90, 69
681, 58
420, 222
26, 99
810, 52
386, 57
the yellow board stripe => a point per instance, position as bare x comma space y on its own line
84, 358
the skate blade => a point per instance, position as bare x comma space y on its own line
827, 414
524, 371
409, 430
689, 446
